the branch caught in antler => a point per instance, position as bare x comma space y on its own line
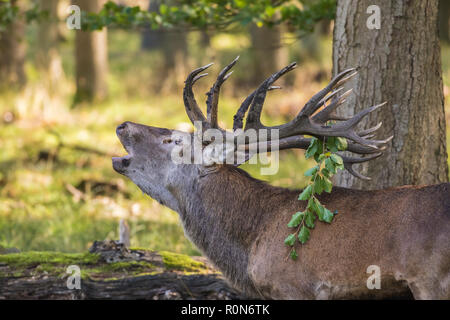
309, 121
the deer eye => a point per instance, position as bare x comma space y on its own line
168, 140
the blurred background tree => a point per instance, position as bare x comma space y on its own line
12, 44
91, 58
174, 48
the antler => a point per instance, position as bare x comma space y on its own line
307, 121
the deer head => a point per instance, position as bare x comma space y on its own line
150, 162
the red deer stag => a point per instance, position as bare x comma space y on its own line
240, 223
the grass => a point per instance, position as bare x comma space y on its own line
37, 209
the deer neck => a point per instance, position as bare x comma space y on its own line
222, 213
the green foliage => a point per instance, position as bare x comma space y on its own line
10, 12
219, 14
327, 165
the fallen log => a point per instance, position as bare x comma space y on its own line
110, 271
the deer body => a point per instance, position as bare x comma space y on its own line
240, 223
399, 230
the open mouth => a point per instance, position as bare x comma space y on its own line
120, 164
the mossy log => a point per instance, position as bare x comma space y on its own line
111, 271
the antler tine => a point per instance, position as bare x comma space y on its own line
324, 115
338, 118
239, 116
330, 96
300, 142
358, 117
370, 130
313, 104
193, 111
303, 123
254, 114
349, 162
213, 94
198, 77
345, 129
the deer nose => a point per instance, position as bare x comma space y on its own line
121, 127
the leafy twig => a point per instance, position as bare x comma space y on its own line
327, 165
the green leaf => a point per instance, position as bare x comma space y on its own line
290, 240
303, 235
327, 184
318, 208
320, 157
296, 219
342, 143
326, 173
293, 254
327, 215
312, 149
318, 185
332, 144
312, 171
337, 159
309, 219
329, 164
163, 9
306, 193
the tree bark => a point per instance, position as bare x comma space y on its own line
12, 54
399, 63
164, 286
91, 58
117, 273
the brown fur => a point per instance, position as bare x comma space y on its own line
400, 229
240, 224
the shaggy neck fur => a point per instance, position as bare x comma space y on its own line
224, 220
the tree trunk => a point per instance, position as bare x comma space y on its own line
444, 20
152, 39
110, 271
399, 63
268, 53
164, 286
48, 58
91, 58
12, 54
174, 49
